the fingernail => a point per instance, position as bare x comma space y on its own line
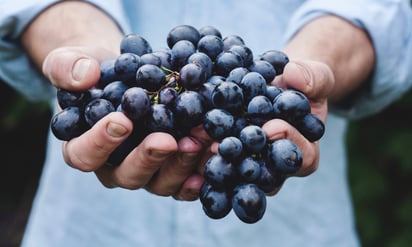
160, 154
304, 72
116, 130
80, 69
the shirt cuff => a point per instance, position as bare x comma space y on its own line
389, 25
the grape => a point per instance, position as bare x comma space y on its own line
291, 106
284, 156
216, 203
67, 98
180, 53
68, 123
209, 30
220, 173
264, 68
218, 123
150, 77
227, 61
96, 110
136, 44
253, 138
211, 45
227, 96
192, 76
126, 65
277, 59
249, 203
201, 79
183, 32
135, 103
230, 148
232, 40
114, 92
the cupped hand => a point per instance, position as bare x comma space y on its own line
159, 163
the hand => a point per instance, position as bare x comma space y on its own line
159, 164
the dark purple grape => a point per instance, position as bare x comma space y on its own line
114, 92
216, 203
218, 123
68, 123
272, 92
191, 76
107, 73
209, 30
237, 74
216, 79
230, 148
206, 90
203, 60
66, 98
160, 120
260, 110
253, 84
249, 169
211, 45
226, 62
189, 109
182, 32
167, 96
126, 66
180, 53
136, 44
165, 57
228, 96
284, 156
249, 203
269, 179
253, 139
240, 123
311, 127
277, 59
96, 110
291, 106
232, 40
264, 68
95, 93
220, 173
150, 58
135, 103
150, 77
245, 52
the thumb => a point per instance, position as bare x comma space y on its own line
74, 68
314, 79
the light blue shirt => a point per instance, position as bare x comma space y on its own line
72, 208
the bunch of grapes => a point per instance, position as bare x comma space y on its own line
201, 78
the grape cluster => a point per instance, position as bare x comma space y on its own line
201, 78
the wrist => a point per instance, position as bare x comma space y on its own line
70, 23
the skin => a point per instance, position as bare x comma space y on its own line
324, 69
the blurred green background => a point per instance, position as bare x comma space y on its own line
380, 170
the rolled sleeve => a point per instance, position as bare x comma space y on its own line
16, 68
389, 24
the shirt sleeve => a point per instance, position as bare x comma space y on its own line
389, 24
16, 68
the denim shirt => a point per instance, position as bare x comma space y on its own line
72, 208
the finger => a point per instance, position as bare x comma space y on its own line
141, 164
173, 173
74, 68
170, 177
278, 129
190, 188
91, 150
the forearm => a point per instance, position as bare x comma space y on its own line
70, 23
346, 49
